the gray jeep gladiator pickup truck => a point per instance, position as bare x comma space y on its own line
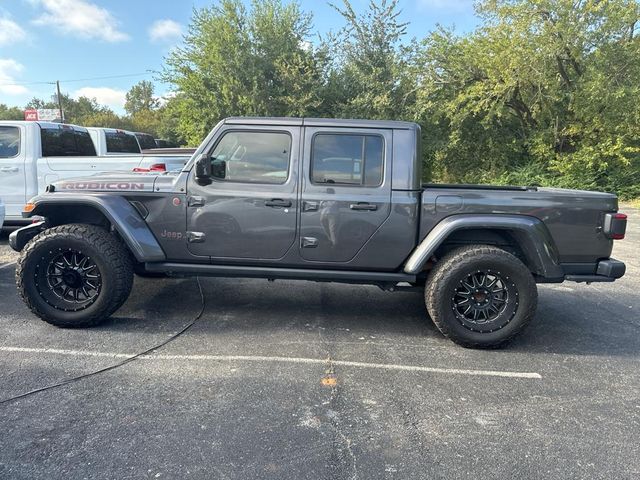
321, 200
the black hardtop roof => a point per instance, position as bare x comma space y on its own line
321, 122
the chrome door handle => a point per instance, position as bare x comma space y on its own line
9, 169
363, 206
309, 206
308, 242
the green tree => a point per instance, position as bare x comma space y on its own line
108, 119
239, 61
371, 62
75, 110
540, 92
140, 98
11, 113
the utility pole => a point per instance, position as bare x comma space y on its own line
59, 101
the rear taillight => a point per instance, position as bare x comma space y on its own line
156, 167
615, 225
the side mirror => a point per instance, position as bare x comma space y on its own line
203, 170
219, 168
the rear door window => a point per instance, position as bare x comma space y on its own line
9, 142
65, 141
121, 142
347, 160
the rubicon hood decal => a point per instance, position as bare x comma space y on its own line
136, 183
101, 186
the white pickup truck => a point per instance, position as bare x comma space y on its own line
1, 212
35, 154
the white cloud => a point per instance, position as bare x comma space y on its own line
164, 31
103, 95
10, 32
9, 68
80, 18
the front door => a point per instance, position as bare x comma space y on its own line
346, 192
249, 211
12, 170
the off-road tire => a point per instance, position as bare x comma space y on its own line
447, 288
104, 250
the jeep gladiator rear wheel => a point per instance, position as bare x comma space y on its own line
480, 296
74, 275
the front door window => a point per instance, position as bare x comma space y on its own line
252, 157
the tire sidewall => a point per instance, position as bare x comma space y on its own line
519, 278
64, 243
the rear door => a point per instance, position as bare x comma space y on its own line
12, 169
249, 211
346, 191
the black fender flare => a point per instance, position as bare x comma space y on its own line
121, 214
530, 232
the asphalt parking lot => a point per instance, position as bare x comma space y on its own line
302, 380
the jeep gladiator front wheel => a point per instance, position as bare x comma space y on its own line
480, 296
74, 275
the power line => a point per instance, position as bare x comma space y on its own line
148, 72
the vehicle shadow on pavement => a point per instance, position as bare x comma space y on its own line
581, 326
258, 306
568, 324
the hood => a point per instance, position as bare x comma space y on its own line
105, 182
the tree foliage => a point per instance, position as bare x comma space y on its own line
10, 113
542, 92
371, 62
236, 61
141, 98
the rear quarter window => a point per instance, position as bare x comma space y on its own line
66, 142
9, 142
146, 141
121, 142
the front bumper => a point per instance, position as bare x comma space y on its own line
607, 270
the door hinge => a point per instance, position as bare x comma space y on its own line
195, 237
195, 201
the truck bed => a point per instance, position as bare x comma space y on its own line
568, 214
464, 186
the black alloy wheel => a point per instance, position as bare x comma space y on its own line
68, 280
480, 301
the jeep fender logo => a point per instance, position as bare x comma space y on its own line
102, 186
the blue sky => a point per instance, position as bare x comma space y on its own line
76, 41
